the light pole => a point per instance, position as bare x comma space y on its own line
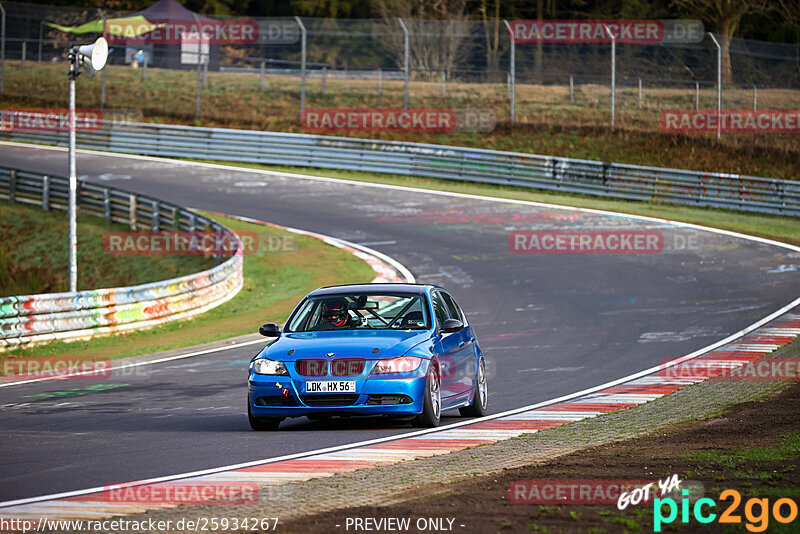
87, 59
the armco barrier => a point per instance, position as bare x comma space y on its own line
35, 318
635, 182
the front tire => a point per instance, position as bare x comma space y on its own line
262, 423
432, 401
480, 399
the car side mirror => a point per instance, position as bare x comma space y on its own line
269, 330
452, 325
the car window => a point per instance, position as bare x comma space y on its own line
360, 311
439, 308
306, 310
452, 308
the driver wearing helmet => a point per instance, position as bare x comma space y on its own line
334, 314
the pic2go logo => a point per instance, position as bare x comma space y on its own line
756, 522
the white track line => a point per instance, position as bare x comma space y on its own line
413, 433
612, 383
138, 364
282, 174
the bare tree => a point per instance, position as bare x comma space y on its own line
437, 31
491, 33
788, 11
724, 17
538, 53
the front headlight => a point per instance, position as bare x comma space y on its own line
263, 366
404, 364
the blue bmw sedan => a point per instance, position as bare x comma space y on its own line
400, 350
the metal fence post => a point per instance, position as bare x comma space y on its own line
755, 97
613, 75
640, 92
302, 66
571, 91
613, 81
444, 81
207, 58
199, 88
103, 73
697, 95
24, 52
41, 38
513, 70
2, 49
380, 81
405, 61
46, 193
107, 204
144, 66
719, 85
132, 211
12, 186
155, 222
324, 76
261, 82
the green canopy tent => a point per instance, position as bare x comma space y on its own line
121, 27
117, 30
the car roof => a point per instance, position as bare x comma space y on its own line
372, 288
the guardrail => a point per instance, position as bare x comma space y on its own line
614, 180
45, 317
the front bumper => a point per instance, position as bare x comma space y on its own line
282, 396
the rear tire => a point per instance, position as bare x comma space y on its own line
480, 399
432, 401
262, 423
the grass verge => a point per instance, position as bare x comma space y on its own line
273, 284
717, 434
34, 250
546, 123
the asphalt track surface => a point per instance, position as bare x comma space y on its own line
550, 324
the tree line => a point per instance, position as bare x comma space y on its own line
767, 20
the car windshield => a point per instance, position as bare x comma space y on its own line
347, 311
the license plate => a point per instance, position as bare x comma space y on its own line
331, 386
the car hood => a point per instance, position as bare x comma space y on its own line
344, 343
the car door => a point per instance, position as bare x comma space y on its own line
446, 346
465, 356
